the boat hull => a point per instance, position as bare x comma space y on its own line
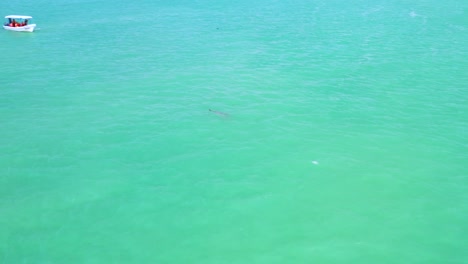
27, 28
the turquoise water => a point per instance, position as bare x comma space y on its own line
345, 139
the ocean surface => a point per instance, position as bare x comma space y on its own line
338, 132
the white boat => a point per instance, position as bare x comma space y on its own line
19, 23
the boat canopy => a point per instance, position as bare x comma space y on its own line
18, 17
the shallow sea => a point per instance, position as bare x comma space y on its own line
341, 134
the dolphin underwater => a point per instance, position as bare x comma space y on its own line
219, 113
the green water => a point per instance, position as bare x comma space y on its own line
344, 139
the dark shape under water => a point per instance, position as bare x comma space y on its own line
219, 113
